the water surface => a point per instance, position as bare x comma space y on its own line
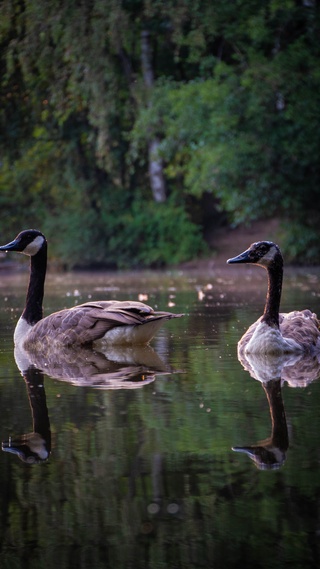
141, 470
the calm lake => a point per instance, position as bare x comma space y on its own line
143, 469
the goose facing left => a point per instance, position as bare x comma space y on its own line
115, 322
277, 333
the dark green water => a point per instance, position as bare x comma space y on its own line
141, 471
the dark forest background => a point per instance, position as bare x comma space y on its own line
130, 129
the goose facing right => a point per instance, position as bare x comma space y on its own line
274, 333
113, 322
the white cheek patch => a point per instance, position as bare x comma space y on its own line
34, 246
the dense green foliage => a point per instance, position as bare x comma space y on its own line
233, 100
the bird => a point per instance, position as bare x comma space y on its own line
273, 333
114, 322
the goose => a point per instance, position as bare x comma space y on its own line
111, 321
274, 333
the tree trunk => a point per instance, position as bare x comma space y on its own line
156, 176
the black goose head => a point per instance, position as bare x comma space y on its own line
263, 253
29, 242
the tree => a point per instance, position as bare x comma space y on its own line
115, 114
156, 175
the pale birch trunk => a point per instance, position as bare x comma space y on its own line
156, 176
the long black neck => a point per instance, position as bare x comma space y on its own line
33, 311
272, 306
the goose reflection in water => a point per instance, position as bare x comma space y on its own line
118, 368
272, 372
34, 447
113, 368
270, 454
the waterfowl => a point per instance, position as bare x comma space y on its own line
115, 322
274, 333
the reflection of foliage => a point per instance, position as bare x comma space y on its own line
95, 493
114, 454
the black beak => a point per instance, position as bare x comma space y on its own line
242, 258
12, 246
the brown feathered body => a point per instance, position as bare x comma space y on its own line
114, 322
298, 332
